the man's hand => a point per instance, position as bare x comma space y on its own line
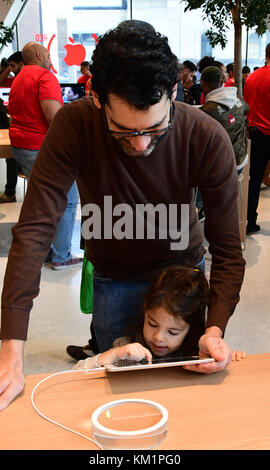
11, 376
4, 75
212, 345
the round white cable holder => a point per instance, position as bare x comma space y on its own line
130, 424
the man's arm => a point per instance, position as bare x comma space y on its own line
218, 184
53, 174
11, 374
49, 109
4, 75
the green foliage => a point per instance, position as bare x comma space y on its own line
251, 13
6, 34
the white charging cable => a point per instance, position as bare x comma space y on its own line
55, 422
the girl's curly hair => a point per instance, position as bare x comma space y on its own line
182, 292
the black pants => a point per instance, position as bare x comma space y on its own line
12, 175
259, 156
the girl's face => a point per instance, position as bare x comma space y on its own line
163, 333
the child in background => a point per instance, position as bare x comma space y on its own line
173, 322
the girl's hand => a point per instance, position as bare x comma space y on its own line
134, 352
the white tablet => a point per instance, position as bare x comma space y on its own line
124, 365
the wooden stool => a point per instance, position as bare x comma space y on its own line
266, 178
22, 175
242, 221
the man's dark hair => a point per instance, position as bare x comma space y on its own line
229, 68
16, 57
4, 62
137, 24
218, 64
206, 61
212, 77
134, 63
189, 65
245, 69
85, 64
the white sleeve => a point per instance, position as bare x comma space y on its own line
89, 363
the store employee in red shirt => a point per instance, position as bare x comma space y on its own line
257, 95
34, 99
86, 76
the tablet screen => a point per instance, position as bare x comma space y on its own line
160, 360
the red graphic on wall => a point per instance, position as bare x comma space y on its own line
48, 48
95, 37
41, 37
75, 53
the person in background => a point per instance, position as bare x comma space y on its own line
245, 74
205, 61
223, 69
178, 92
14, 64
3, 64
223, 105
209, 61
257, 95
85, 77
191, 88
172, 323
230, 72
35, 97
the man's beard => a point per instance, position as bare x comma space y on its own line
129, 150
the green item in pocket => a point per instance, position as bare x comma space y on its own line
86, 292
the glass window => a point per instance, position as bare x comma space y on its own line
164, 15
70, 30
206, 48
254, 46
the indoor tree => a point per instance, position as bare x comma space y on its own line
222, 13
6, 33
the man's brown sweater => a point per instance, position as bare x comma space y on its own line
196, 152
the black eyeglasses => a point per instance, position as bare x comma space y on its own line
155, 132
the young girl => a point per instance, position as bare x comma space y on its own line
173, 322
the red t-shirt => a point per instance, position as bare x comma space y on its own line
230, 82
32, 85
257, 96
84, 79
8, 82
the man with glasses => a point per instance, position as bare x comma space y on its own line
137, 157
128, 138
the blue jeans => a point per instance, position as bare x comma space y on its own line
199, 201
117, 308
61, 245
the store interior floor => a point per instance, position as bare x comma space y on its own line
56, 320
